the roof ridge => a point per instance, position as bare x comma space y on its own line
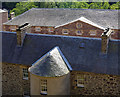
75, 9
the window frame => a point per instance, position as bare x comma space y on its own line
63, 30
25, 72
93, 34
78, 24
78, 33
43, 85
36, 29
50, 29
13, 28
80, 81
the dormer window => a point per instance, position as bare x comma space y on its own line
37, 29
82, 45
65, 31
80, 81
50, 29
78, 25
79, 32
93, 32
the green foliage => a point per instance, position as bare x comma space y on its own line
21, 7
115, 6
99, 5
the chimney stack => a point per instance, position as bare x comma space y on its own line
105, 40
21, 32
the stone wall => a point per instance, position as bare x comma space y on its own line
13, 82
95, 84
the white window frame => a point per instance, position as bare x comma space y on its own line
43, 85
91, 32
79, 33
38, 29
25, 72
80, 81
50, 29
13, 28
63, 31
77, 25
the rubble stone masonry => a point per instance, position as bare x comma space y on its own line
13, 82
95, 84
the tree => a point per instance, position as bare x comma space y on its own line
21, 7
115, 6
106, 5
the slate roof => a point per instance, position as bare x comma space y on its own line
55, 17
51, 64
83, 54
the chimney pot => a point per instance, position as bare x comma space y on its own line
12, 15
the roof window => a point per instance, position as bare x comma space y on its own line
82, 45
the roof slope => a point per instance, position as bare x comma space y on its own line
50, 65
55, 17
83, 54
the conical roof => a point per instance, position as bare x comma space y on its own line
52, 64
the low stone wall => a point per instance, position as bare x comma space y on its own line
95, 84
13, 82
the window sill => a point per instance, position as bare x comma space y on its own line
25, 78
43, 93
80, 86
92, 34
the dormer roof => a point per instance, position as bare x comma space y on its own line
52, 64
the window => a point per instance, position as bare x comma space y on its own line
50, 29
65, 31
93, 32
25, 73
80, 81
13, 28
78, 25
79, 32
43, 87
38, 29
